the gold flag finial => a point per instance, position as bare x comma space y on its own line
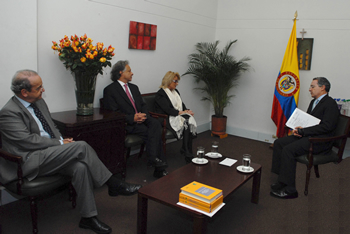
295, 15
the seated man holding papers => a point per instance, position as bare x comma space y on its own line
287, 148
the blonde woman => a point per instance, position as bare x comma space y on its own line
180, 121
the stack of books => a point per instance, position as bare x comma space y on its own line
201, 196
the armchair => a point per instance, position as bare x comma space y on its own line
335, 156
149, 99
35, 189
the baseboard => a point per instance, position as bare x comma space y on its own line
259, 136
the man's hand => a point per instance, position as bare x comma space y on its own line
140, 117
67, 140
296, 132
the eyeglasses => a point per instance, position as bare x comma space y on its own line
176, 81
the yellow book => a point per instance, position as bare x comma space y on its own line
186, 202
201, 191
210, 206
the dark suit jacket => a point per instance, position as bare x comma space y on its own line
115, 99
327, 111
21, 136
163, 105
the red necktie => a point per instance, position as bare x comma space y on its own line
129, 96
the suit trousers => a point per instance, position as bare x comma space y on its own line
283, 160
151, 133
80, 161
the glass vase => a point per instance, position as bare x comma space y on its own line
85, 84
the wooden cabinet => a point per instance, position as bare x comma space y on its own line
104, 131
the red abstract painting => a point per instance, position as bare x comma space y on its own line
142, 36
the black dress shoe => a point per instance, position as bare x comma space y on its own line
283, 194
95, 225
160, 173
124, 188
158, 164
277, 186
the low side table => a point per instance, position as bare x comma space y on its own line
213, 174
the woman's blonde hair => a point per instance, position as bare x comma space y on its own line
168, 78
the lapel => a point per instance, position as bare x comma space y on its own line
318, 104
33, 126
122, 93
43, 108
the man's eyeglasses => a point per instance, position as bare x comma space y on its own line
176, 81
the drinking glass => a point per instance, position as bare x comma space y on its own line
200, 154
215, 147
246, 162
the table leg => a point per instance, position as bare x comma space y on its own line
199, 224
142, 206
256, 187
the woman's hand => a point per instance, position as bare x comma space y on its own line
186, 112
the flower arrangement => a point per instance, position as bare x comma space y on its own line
81, 56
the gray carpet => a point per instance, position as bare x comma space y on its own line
325, 210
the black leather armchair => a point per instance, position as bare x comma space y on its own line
336, 154
38, 188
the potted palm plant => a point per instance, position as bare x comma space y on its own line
219, 72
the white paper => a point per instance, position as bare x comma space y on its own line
200, 211
302, 119
228, 162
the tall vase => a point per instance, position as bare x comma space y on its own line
85, 84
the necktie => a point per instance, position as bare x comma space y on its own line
42, 120
129, 96
315, 103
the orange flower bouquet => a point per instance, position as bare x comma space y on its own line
85, 61
80, 55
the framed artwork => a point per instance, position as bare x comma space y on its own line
142, 36
305, 53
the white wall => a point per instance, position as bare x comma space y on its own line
263, 30
107, 21
18, 41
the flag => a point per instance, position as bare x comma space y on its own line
287, 86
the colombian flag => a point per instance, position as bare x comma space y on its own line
287, 86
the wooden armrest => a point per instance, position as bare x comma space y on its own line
10, 157
18, 160
157, 115
326, 139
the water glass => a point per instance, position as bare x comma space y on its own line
200, 154
215, 147
246, 162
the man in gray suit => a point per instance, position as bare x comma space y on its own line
28, 131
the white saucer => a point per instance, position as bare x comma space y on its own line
204, 161
213, 155
240, 168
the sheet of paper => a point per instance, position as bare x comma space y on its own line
200, 211
228, 162
302, 119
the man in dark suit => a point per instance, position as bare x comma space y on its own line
126, 98
285, 149
27, 130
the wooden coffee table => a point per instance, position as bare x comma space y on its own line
166, 190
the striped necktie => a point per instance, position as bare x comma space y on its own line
42, 120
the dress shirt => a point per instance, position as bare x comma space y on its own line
43, 133
122, 84
318, 100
